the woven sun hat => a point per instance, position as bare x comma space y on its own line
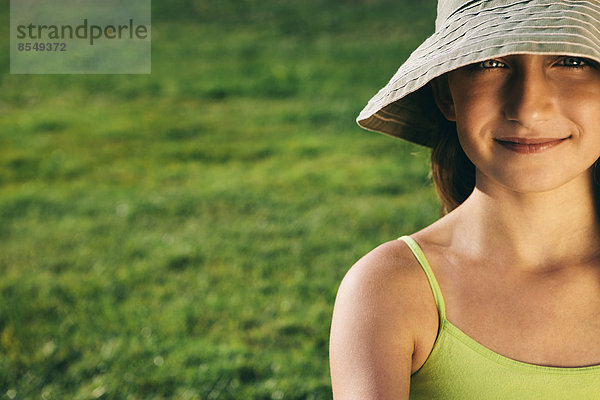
468, 32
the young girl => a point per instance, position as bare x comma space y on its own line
500, 298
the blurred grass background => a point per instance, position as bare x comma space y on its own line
182, 235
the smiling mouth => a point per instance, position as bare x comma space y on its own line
529, 145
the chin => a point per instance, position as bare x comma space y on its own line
530, 183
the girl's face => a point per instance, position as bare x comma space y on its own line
528, 122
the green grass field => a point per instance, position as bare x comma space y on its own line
182, 235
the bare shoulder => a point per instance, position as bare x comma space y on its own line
383, 311
381, 272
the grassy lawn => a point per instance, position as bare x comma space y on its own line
181, 235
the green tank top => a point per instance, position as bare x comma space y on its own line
459, 368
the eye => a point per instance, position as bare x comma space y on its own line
573, 62
485, 66
490, 64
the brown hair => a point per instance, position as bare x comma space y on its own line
452, 172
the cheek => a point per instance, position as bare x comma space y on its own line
580, 102
477, 119
583, 113
475, 93
472, 147
477, 107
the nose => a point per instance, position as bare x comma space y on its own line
529, 98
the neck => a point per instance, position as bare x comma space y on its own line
531, 230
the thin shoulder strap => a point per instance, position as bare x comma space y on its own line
435, 287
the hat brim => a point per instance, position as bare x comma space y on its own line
480, 31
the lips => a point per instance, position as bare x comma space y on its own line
529, 145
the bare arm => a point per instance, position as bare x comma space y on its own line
374, 328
